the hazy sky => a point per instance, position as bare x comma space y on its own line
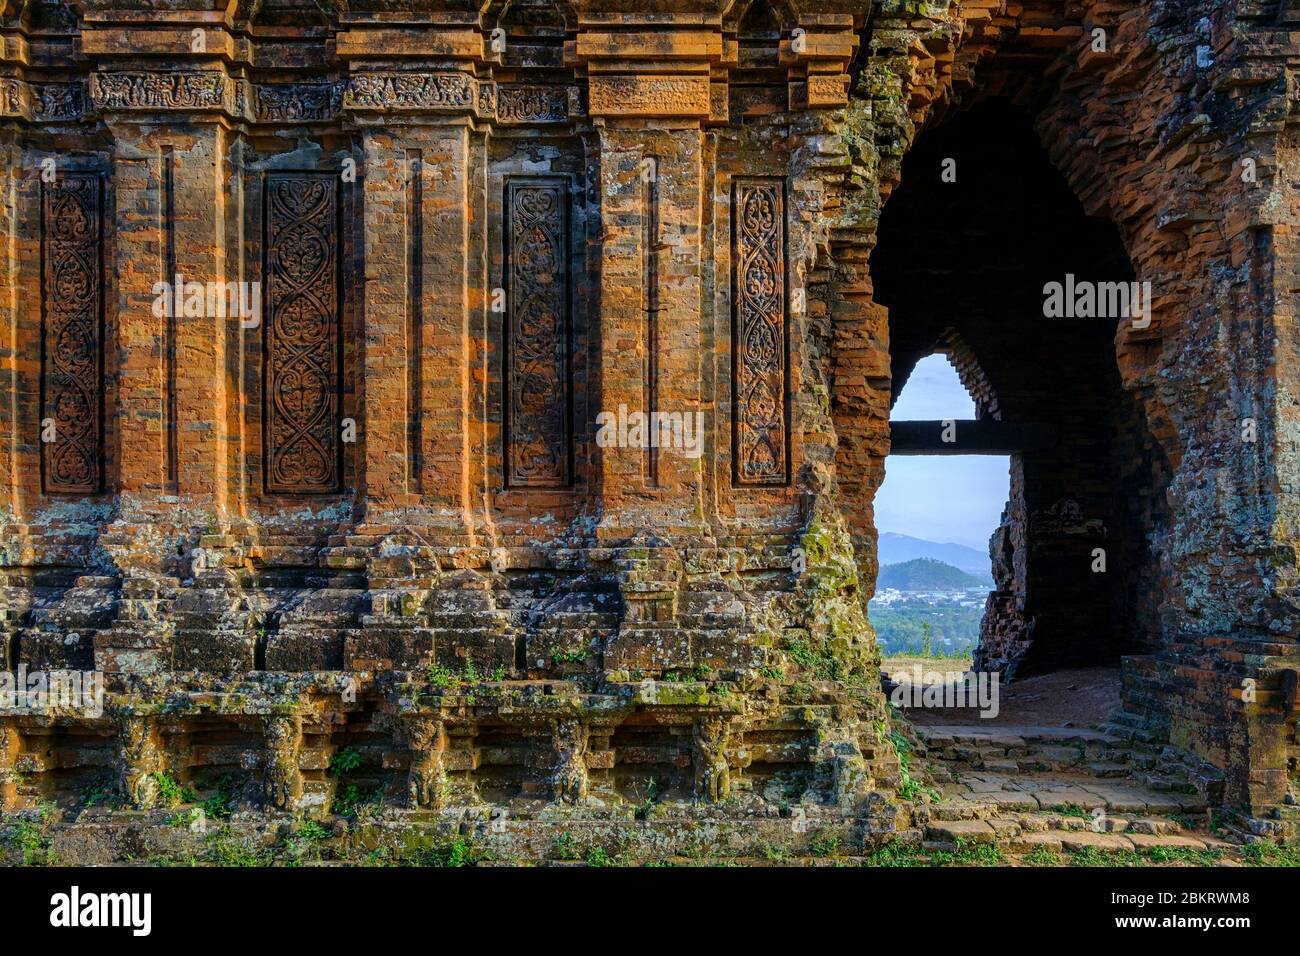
941, 497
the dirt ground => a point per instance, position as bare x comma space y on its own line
1071, 698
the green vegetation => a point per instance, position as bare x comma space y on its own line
900, 626
576, 656
220, 804
442, 676
1042, 856
896, 854
1270, 854
926, 574
910, 789
170, 792
27, 838
345, 761
970, 854
565, 847
99, 791
825, 846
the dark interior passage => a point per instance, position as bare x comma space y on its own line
962, 266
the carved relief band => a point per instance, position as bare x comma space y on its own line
532, 104
398, 91
302, 362
71, 344
760, 426
648, 95
299, 102
158, 91
537, 334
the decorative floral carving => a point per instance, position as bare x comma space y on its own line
537, 419
302, 335
72, 329
758, 345
649, 95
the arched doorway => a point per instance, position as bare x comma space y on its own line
977, 250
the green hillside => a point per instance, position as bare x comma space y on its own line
925, 574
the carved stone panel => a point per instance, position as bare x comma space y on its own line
71, 346
302, 363
537, 333
760, 423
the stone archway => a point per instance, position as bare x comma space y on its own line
962, 262
1142, 131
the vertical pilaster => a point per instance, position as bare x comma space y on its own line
650, 299
171, 198
417, 300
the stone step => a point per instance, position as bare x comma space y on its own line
1068, 840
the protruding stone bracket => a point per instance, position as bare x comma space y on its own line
139, 759
817, 55
281, 773
619, 84
570, 737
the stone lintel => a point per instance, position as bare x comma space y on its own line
185, 39
653, 44
411, 42
639, 95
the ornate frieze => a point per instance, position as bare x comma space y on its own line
412, 91
160, 91
760, 426
60, 101
302, 333
47, 101
648, 95
298, 102
72, 328
537, 380
532, 104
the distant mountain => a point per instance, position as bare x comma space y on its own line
925, 574
897, 548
